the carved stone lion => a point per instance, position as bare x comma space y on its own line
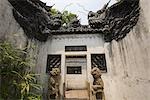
53, 84
98, 85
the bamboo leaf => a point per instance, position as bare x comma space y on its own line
17, 74
23, 90
27, 88
36, 86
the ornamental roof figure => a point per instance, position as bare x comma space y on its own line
114, 21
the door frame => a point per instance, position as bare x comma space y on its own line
65, 67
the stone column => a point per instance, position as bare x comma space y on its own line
89, 76
62, 80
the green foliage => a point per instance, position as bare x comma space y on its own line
17, 81
66, 15
54, 11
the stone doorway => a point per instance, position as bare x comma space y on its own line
76, 72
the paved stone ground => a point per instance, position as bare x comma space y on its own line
77, 95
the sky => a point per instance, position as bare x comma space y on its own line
78, 7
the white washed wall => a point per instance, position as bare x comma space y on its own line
56, 45
10, 30
129, 62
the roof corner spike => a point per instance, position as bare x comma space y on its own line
106, 5
109, 2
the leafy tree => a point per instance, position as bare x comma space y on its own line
54, 11
17, 80
66, 16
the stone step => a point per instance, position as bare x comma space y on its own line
76, 99
76, 95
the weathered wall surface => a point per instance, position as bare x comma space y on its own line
11, 31
129, 62
9, 28
56, 45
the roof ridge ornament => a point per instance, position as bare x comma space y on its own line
114, 22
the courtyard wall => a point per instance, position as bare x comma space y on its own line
129, 62
9, 29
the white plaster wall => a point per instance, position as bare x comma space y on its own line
94, 43
76, 81
9, 28
56, 45
129, 62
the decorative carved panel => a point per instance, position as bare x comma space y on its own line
74, 70
99, 60
53, 61
75, 48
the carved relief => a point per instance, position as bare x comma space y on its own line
117, 20
114, 21
53, 84
98, 85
